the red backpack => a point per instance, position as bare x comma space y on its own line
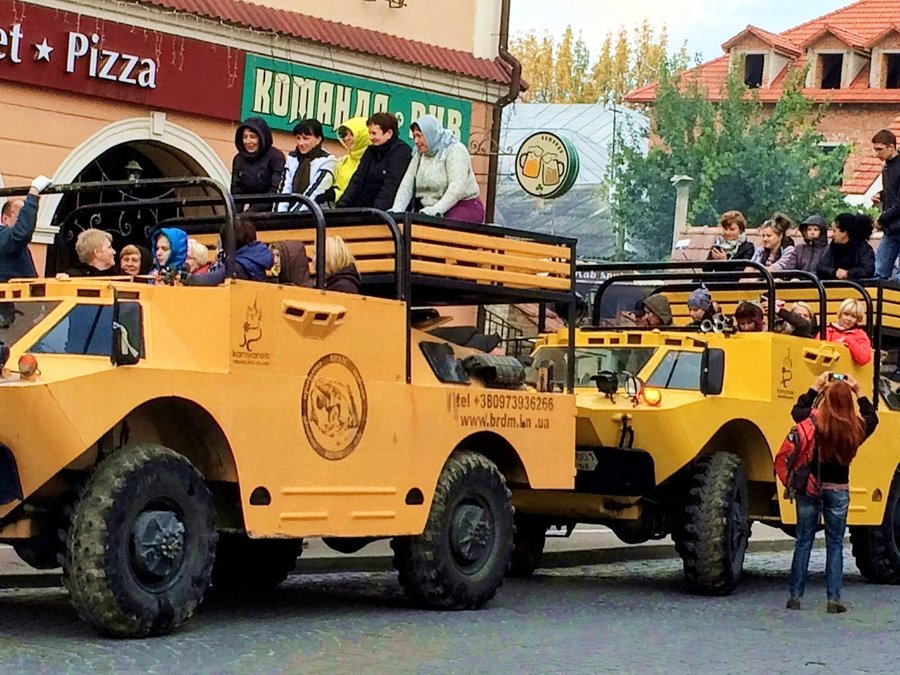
795, 459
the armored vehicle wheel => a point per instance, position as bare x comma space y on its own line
877, 549
712, 538
528, 546
141, 544
245, 564
459, 561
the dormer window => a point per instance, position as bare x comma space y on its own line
831, 67
754, 66
892, 71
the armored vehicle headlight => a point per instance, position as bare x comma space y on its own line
28, 365
651, 395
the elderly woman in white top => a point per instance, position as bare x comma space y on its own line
439, 180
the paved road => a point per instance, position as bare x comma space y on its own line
621, 617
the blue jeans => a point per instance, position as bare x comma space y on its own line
833, 504
886, 255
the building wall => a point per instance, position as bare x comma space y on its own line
460, 24
856, 124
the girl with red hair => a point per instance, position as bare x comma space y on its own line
841, 419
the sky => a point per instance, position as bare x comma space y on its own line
704, 24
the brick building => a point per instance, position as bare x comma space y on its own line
853, 55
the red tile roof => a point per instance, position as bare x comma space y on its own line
862, 25
777, 42
849, 38
340, 35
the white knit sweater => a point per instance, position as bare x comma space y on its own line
440, 181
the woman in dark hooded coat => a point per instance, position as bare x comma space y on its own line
291, 263
258, 167
849, 255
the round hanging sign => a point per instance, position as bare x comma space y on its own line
546, 165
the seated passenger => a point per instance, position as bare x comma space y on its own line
849, 255
440, 180
777, 253
134, 260
170, 246
656, 311
700, 307
354, 136
815, 239
732, 243
290, 264
310, 168
799, 320
96, 255
749, 318
252, 258
374, 183
197, 257
847, 330
340, 267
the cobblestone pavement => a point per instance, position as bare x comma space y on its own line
631, 617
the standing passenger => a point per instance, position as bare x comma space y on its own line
884, 143
375, 182
440, 180
19, 219
258, 167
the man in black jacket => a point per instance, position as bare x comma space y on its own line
884, 143
381, 168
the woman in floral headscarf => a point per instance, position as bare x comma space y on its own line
440, 180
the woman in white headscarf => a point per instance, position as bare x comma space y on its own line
440, 180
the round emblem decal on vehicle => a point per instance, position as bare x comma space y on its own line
334, 406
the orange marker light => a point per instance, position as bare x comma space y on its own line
651, 396
28, 365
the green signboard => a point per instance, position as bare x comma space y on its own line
283, 93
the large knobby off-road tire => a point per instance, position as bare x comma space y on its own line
528, 546
141, 544
245, 564
714, 530
459, 561
877, 549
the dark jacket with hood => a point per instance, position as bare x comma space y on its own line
890, 197
345, 280
259, 172
15, 258
809, 253
250, 262
294, 269
378, 176
856, 256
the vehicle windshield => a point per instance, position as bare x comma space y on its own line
17, 318
589, 362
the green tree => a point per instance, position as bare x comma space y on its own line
562, 71
739, 154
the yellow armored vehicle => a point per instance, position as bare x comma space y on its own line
677, 428
159, 438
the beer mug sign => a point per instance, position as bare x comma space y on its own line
546, 165
530, 162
